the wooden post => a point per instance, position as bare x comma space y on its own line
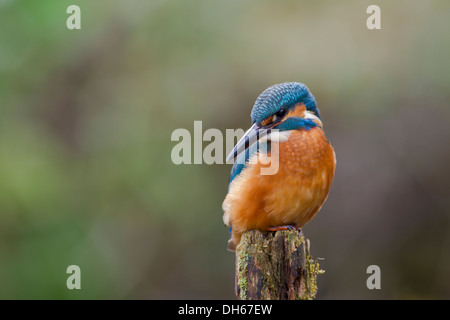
275, 266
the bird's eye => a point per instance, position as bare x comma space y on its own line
280, 114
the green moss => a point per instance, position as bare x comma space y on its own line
267, 253
242, 270
313, 270
294, 238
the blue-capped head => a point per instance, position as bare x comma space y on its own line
282, 96
284, 106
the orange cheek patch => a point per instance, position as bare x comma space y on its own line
265, 122
298, 111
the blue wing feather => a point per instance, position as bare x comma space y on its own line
241, 161
239, 164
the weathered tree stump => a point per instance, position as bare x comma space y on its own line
275, 266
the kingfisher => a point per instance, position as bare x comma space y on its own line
286, 128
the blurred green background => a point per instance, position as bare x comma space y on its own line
86, 118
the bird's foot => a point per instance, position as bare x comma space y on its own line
286, 227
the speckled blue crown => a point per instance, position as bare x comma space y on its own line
283, 95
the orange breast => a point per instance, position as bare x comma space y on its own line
293, 195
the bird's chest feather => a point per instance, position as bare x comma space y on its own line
304, 154
306, 170
293, 194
